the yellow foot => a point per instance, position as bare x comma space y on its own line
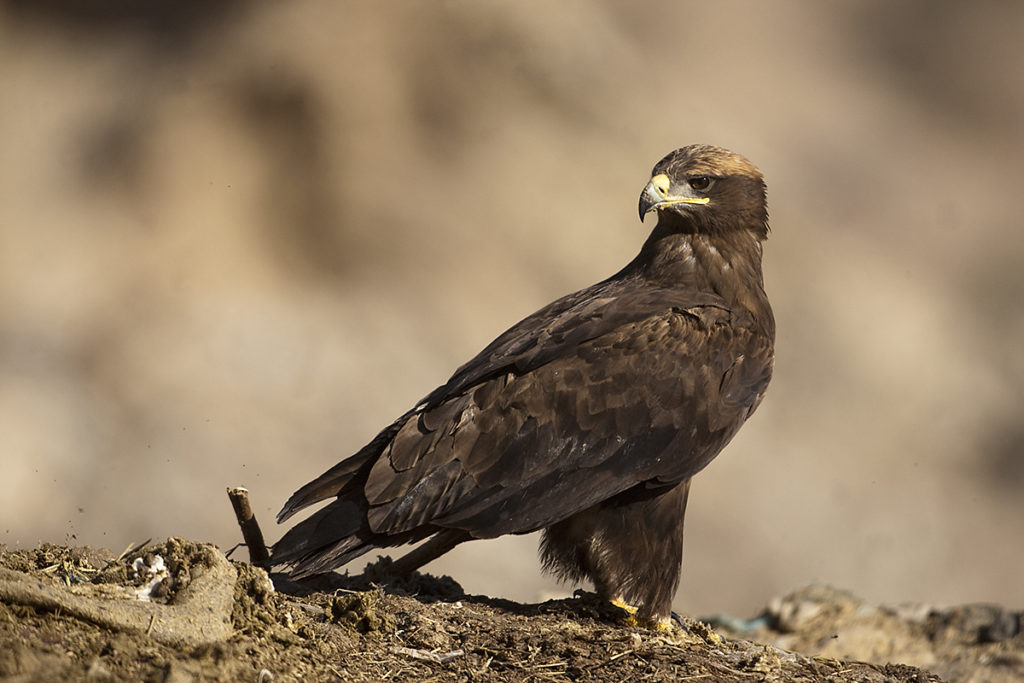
660, 625
631, 620
622, 604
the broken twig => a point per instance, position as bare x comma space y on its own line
251, 533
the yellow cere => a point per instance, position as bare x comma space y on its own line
661, 182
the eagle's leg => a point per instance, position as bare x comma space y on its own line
631, 547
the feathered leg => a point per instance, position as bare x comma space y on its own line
631, 547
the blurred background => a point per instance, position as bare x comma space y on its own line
237, 238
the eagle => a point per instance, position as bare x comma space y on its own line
587, 419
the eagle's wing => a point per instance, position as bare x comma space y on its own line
617, 385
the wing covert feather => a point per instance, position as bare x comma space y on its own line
639, 393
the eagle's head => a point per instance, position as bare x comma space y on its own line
706, 189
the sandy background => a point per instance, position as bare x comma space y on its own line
238, 238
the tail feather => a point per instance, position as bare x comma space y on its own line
328, 484
334, 536
331, 482
336, 530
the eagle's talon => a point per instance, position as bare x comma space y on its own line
630, 621
660, 625
623, 605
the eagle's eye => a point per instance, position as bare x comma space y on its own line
700, 182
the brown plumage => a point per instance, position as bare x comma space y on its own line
588, 418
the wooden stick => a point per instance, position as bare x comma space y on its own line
251, 533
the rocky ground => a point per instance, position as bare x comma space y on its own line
181, 611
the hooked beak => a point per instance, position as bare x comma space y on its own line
656, 196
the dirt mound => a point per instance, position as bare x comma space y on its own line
180, 611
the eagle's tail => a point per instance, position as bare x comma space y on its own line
329, 538
331, 482
339, 533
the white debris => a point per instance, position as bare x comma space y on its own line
153, 573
